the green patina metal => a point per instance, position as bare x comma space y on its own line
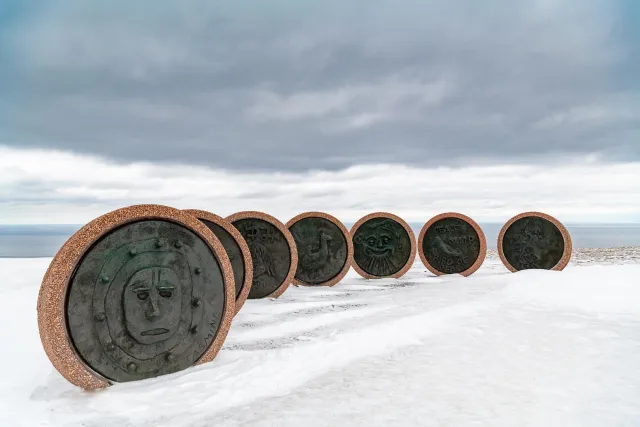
233, 251
145, 300
322, 250
451, 245
533, 242
270, 254
381, 247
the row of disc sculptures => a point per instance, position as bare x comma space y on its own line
149, 290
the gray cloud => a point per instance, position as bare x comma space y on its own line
45, 186
303, 85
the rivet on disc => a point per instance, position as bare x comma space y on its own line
198, 270
195, 302
169, 357
111, 346
178, 244
132, 367
133, 252
105, 279
194, 329
100, 317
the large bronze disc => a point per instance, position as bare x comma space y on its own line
452, 243
324, 249
383, 246
137, 293
273, 252
534, 240
236, 248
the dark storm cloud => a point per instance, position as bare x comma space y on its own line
298, 85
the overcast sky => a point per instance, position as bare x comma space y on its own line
414, 107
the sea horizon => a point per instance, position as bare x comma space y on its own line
44, 240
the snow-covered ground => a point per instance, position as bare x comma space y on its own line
534, 348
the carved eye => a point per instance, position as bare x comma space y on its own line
371, 241
142, 295
385, 239
165, 294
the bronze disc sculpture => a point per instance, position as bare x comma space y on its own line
452, 243
383, 246
139, 292
534, 240
273, 252
236, 248
324, 249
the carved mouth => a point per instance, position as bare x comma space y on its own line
156, 331
378, 252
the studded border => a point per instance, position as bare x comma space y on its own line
52, 296
244, 249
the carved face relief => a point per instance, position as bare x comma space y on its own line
381, 247
152, 303
381, 243
145, 301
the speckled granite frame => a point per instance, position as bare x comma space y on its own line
52, 323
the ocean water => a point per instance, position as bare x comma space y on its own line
34, 241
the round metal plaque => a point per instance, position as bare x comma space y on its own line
534, 240
383, 246
324, 249
236, 249
452, 243
273, 252
137, 293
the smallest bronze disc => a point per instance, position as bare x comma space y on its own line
236, 248
324, 246
534, 240
383, 246
273, 252
452, 243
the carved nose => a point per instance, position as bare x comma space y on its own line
152, 310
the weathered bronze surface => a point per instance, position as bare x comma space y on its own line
381, 247
533, 242
270, 255
147, 299
233, 251
322, 250
451, 245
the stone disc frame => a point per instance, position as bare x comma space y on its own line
347, 235
412, 240
246, 255
483, 243
288, 237
52, 323
568, 245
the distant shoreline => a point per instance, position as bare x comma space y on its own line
44, 241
